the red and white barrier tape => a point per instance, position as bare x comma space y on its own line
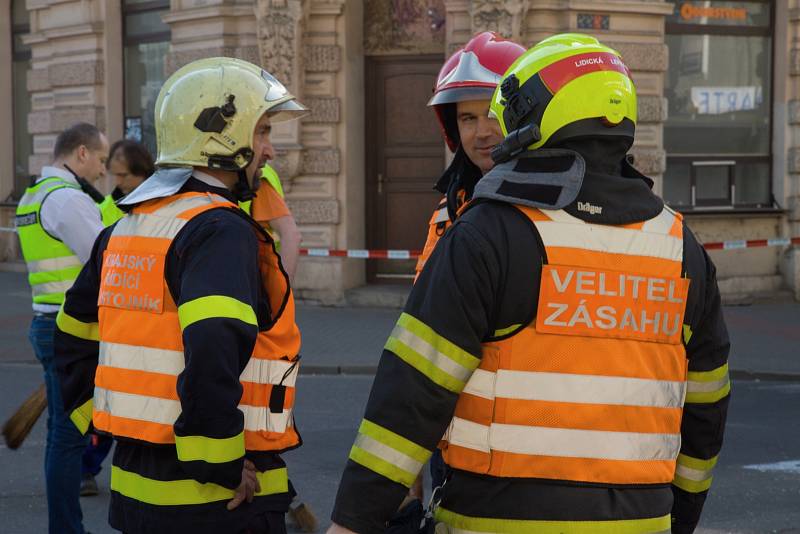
414, 254
390, 254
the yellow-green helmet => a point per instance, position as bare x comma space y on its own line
568, 85
206, 112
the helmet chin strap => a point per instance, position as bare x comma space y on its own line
242, 189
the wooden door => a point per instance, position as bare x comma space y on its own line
405, 157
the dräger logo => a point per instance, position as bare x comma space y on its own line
589, 208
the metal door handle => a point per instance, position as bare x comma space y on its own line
380, 183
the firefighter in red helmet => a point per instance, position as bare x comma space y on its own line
461, 102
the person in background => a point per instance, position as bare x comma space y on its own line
130, 163
269, 209
57, 223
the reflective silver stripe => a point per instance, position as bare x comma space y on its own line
429, 352
149, 225
590, 389
468, 434
260, 419
48, 288
180, 205
132, 406
660, 224
138, 358
388, 454
441, 216
53, 264
610, 239
693, 474
708, 387
171, 362
269, 372
542, 441
481, 384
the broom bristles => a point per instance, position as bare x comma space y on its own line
304, 518
19, 425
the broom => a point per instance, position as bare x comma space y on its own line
19, 425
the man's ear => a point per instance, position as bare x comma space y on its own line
82, 153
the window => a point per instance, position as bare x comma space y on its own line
21, 60
146, 42
718, 131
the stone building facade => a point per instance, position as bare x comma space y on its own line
75, 56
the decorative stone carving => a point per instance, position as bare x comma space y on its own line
505, 17
280, 29
323, 110
280, 32
322, 58
315, 211
643, 56
321, 161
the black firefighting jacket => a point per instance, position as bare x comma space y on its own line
481, 279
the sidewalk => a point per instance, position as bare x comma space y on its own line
764, 336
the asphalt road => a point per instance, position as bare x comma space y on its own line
756, 489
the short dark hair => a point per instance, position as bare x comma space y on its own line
137, 157
78, 134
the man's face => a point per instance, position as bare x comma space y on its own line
91, 162
262, 147
125, 180
479, 134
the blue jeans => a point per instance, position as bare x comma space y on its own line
65, 444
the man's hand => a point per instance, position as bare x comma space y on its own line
338, 529
247, 488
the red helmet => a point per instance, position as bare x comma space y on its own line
472, 73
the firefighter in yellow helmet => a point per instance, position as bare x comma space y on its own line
199, 395
564, 345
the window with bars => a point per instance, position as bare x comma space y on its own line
21, 64
719, 86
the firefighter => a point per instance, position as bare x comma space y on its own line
460, 100
199, 395
565, 340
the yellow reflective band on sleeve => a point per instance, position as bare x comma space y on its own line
81, 416
72, 326
388, 454
687, 334
215, 306
462, 524
507, 330
706, 387
694, 475
185, 492
422, 348
211, 450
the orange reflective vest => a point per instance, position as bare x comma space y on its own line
141, 348
437, 226
593, 389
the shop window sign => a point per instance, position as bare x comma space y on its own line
714, 13
717, 100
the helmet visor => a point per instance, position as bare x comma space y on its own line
461, 94
286, 111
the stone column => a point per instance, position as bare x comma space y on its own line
792, 265
66, 80
317, 49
